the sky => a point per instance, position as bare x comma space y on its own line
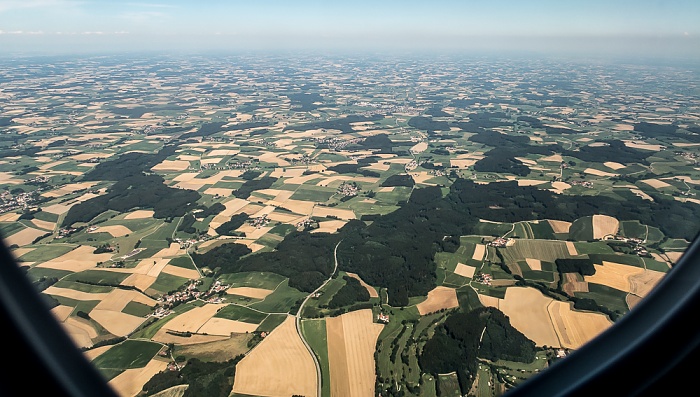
654, 28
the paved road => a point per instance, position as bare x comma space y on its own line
298, 320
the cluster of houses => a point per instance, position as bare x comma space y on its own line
260, 221
578, 182
483, 278
500, 242
383, 318
10, 202
348, 189
189, 293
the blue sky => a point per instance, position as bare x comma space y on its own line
636, 27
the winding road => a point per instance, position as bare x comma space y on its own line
298, 319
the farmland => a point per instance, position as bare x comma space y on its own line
202, 225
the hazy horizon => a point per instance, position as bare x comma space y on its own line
647, 29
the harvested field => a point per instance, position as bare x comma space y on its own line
339, 212
463, 163
175, 391
57, 209
596, 172
534, 264
655, 183
93, 353
571, 248
24, 237
193, 320
140, 281
613, 165
130, 382
250, 292
73, 294
438, 298
674, 256
530, 182
225, 327
279, 366
604, 225
114, 230
555, 158
163, 336
11, 216
465, 270
190, 274
527, 309
218, 191
68, 189
140, 214
576, 328
117, 300
643, 146
559, 186
572, 284
642, 283
77, 260
372, 292
80, 331
642, 194
614, 275
171, 165
329, 226
172, 250
61, 312
117, 323
352, 339
559, 226
479, 252
489, 301
43, 224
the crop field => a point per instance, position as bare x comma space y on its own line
128, 354
241, 313
280, 301
315, 333
545, 250
438, 298
281, 353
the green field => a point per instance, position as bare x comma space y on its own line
167, 283
9, 228
271, 322
241, 313
582, 229
264, 280
182, 261
546, 250
605, 296
102, 277
128, 354
82, 287
44, 252
280, 301
315, 333
449, 385
150, 329
137, 309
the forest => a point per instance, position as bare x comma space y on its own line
458, 344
